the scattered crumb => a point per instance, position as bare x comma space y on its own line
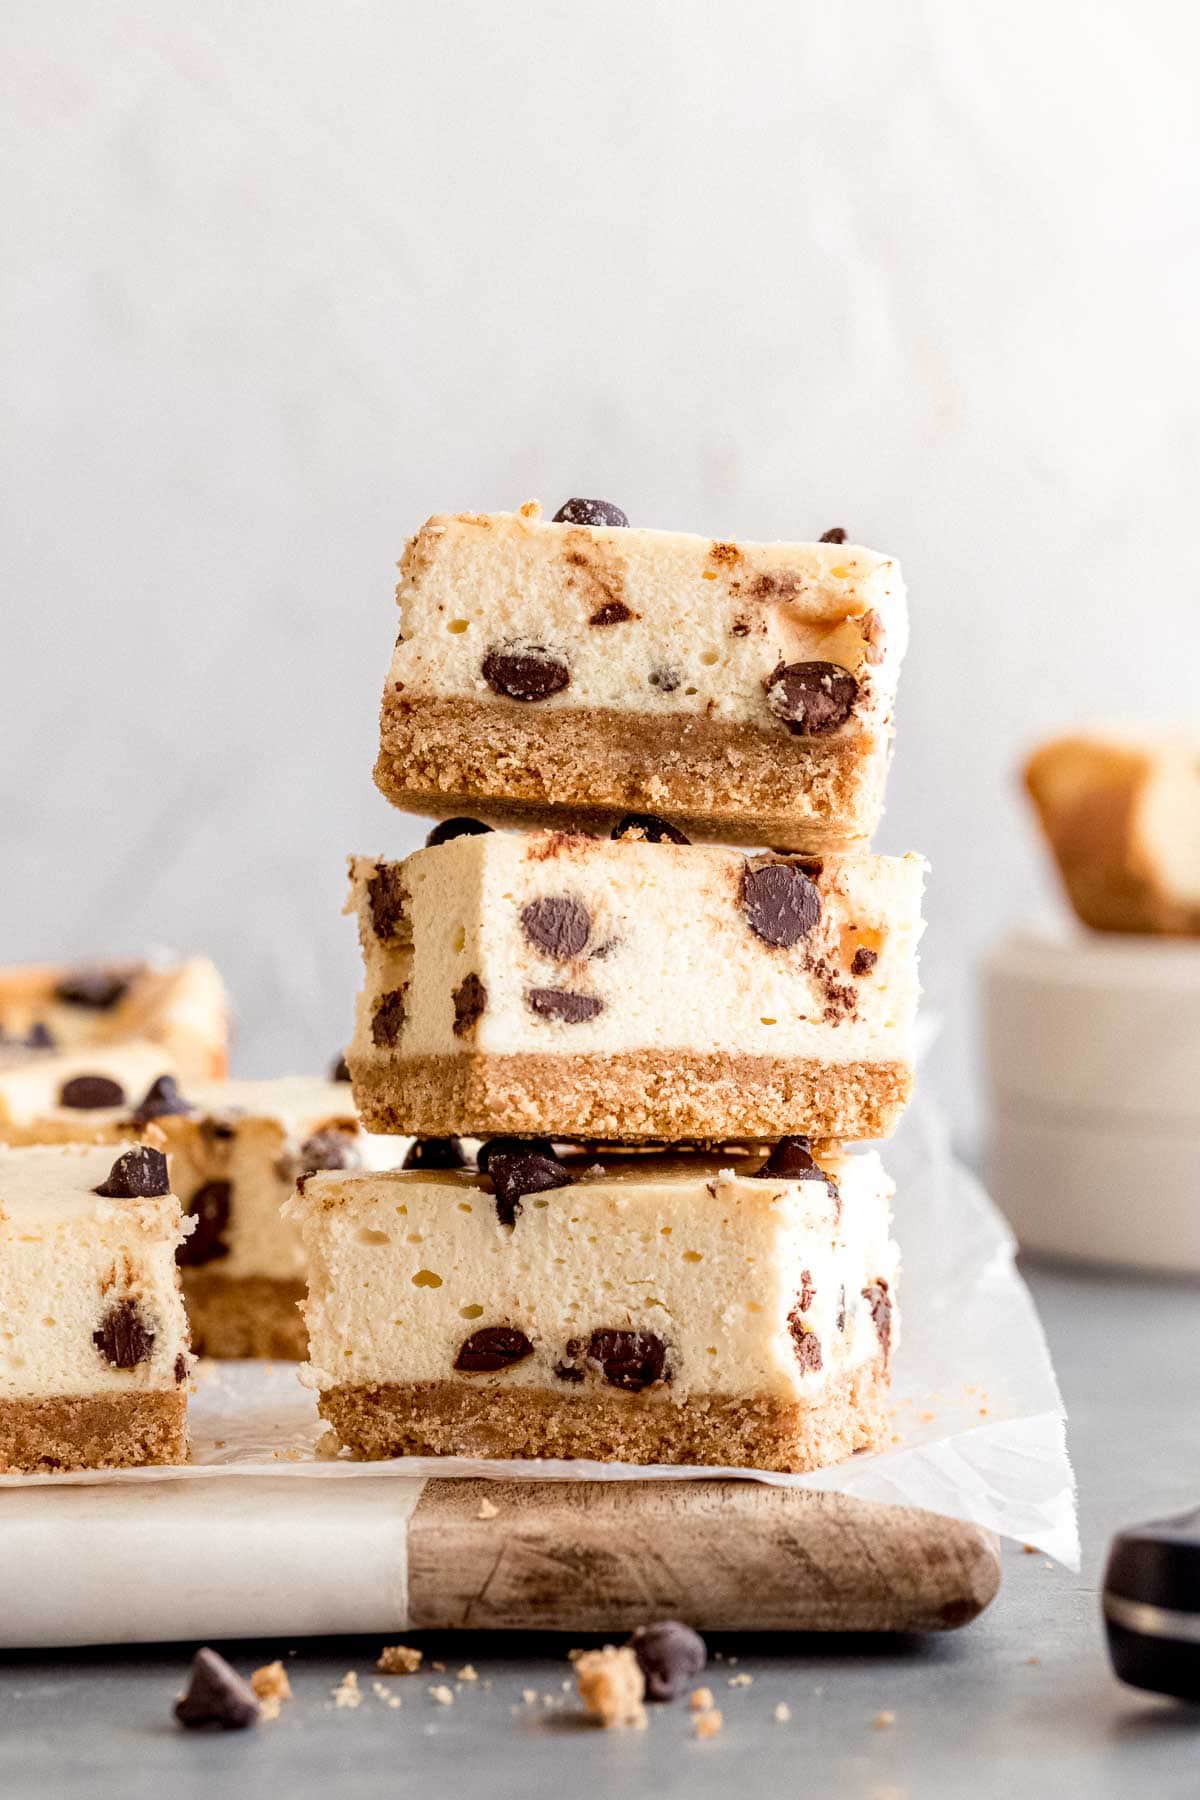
291, 1455
327, 1445
1047, 1564
272, 1688
708, 1723
732, 1661
385, 1694
573, 1656
611, 1685
346, 1692
983, 1412
741, 1680
442, 1695
488, 1510
1033, 1662
566, 1682
529, 1695
219, 1443
1029, 1549
399, 1659
550, 1700
701, 1700
438, 1668
783, 1713
468, 1672
882, 1720
927, 1418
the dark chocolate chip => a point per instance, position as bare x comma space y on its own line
39, 1036
513, 1174
665, 680
864, 960
530, 672
209, 1206
97, 988
124, 1338
87, 1093
807, 1344
470, 1001
791, 1160
137, 1175
455, 828
568, 1372
630, 1360
340, 1070
812, 698
216, 1695
557, 926
387, 898
512, 1146
162, 1100
589, 512
807, 1292
181, 1367
387, 1021
328, 1150
613, 612
650, 828
436, 1153
880, 1303
495, 1347
781, 903
834, 536
669, 1655
560, 1003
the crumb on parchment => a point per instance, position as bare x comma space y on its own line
488, 1510
399, 1659
271, 1687
612, 1686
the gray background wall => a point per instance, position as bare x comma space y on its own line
278, 280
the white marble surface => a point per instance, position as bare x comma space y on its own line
279, 279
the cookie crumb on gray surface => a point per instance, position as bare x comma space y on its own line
611, 1686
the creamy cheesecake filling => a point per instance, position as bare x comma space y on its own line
81, 1095
670, 1277
182, 1007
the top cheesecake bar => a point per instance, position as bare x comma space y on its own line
572, 670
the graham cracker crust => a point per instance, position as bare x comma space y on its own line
732, 782
645, 1095
245, 1315
93, 1431
757, 1431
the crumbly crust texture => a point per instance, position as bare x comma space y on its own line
93, 1431
248, 1315
644, 1096
755, 1431
731, 782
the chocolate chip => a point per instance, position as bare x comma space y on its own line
137, 1175
649, 828
834, 536
841, 1317
511, 1146
529, 672
387, 1021
124, 1338
568, 1372
557, 926
495, 1347
181, 1367
559, 1003
162, 1100
515, 1173
807, 1292
87, 1093
436, 1153
455, 828
209, 1206
665, 680
39, 1036
470, 1001
630, 1360
791, 1160
387, 899
880, 1303
97, 988
780, 902
864, 960
328, 1150
669, 1655
807, 1344
812, 698
216, 1695
589, 512
613, 612
340, 1070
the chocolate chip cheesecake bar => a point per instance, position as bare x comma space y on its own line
660, 1309
94, 1357
634, 989
181, 1006
85, 1095
580, 668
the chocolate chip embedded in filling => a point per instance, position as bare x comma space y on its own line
568, 1372
162, 1100
328, 1150
561, 1004
88, 1093
340, 1070
649, 828
834, 536
807, 1344
630, 1360
781, 903
531, 672
791, 1160
521, 1169
387, 898
99, 989
39, 1036
470, 1002
124, 1338
665, 680
557, 926
455, 828
880, 1303
181, 1367
495, 1347
613, 612
808, 1292
590, 512
387, 1021
812, 698
436, 1153
137, 1175
209, 1206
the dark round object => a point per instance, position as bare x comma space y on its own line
137, 1175
650, 828
529, 672
162, 1100
589, 512
436, 1153
455, 828
494, 1347
781, 903
670, 1655
89, 1093
812, 698
1152, 1606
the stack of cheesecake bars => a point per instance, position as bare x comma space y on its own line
618, 1062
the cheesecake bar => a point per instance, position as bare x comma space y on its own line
94, 1357
656, 1309
634, 990
181, 1006
85, 1095
580, 668
1121, 813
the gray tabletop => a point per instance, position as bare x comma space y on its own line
1021, 1702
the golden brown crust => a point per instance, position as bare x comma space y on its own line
93, 1431
645, 1095
454, 1418
246, 1315
732, 782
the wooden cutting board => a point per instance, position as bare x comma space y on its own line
722, 1555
